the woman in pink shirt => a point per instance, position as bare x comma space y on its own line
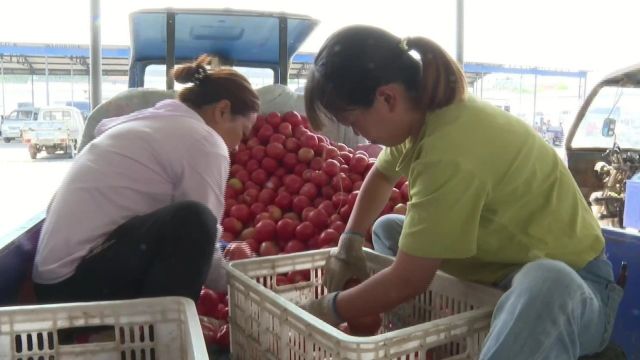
138, 213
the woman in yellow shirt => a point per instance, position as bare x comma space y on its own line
490, 201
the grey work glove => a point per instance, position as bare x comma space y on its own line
324, 309
345, 262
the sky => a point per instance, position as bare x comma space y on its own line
598, 36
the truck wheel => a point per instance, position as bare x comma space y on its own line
6, 140
70, 151
33, 152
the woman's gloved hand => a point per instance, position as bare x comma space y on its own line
324, 309
345, 262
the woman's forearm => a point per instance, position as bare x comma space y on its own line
372, 198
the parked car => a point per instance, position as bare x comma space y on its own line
13, 123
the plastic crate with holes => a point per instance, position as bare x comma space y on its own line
448, 321
143, 329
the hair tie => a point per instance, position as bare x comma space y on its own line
200, 74
403, 44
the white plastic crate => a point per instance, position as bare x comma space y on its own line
449, 321
142, 329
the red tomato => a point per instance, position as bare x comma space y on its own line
265, 230
207, 302
332, 153
338, 226
222, 312
300, 203
309, 140
328, 192
395, 196
273, 119
269, 248
282, 280
306, 212
264, 134
331, 167
299, 276
306, 175
275, 150
293, 183
292, 145
275, 212
283, 201
319, 218
265, 215
316, 163
285, 129
238, 250
341, 182
257, 208
305, 154
309, 190
253, 245
240, 212
270, 166
292, 118
339, 199
232, 225
327, 207
285, 229
358, 164
247, 233
404, 191
292, 216
328, 237
277, 139
294, 246
305, 231
290, 160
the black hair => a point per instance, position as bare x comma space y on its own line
355, 61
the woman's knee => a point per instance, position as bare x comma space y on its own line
388, 226
196, 217
193, 211
549, 279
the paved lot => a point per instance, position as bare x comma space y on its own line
26, 185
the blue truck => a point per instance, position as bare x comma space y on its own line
268, 40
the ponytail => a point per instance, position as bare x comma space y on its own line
442, 80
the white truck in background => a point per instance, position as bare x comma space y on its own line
58, 128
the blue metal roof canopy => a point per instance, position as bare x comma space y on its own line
245, 38
481, 68
60, 50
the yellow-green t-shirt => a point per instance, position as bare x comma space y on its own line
488, 195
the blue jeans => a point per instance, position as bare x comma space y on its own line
549, 310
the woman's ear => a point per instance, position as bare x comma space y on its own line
223, 109
218, 112
388, 95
